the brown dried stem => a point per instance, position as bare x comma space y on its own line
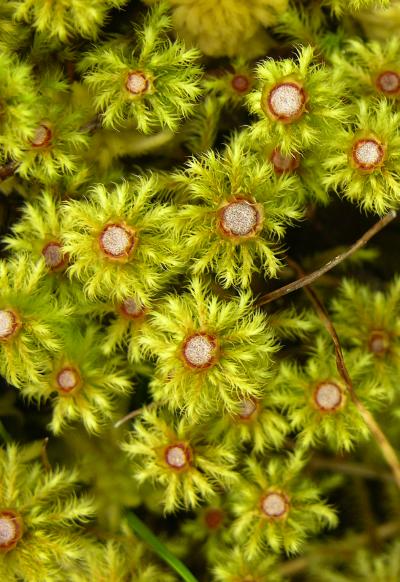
7, 170
343, 547
387, 450
133, 414
43, 455
355, 469
307, 279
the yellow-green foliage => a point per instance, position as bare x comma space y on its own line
79, 383
32, 320
198, 472
211, 186
235, 343
165, 77
172, 406
127, 207
226, 27
375, 185
63, 19
295, 512
49, 513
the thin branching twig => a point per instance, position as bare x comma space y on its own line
387, 450
133, 414
343, 547
308, 279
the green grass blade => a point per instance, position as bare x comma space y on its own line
147, 536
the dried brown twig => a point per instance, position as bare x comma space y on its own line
343, 547
387, 450
134, 413
307, 279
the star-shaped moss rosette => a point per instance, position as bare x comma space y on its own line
17, 106
367, 321
297, 102
232, 84
119, 240
210, 353
64, 20
233, 215
256, 424
304, 167
153, 82
316, 400
101, 465
232, 564
208, 530
57, 144
31, 320
341, 7
125, 559
41, 518
81, 383
39, 232
277, 508
174, 455
362, 162
370, 68
125, 323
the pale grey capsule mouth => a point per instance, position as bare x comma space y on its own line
388, 82
240, 218
285, 102
10, 529
274, 505
368, 154
43, 136
328, 396
117, 241
53, 255
67, 380
137, 83
132, 308
7, 531
247, 408
8, 323
177, 456
199, 350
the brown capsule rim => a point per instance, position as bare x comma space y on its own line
254, 231
368, 167
133, 239
269, 110
18, 527
338, 406
146, 85
212, 339
381, 334
286, 502
294, 162
240, 83
187, 452
78, 384
16, 325
385, 91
